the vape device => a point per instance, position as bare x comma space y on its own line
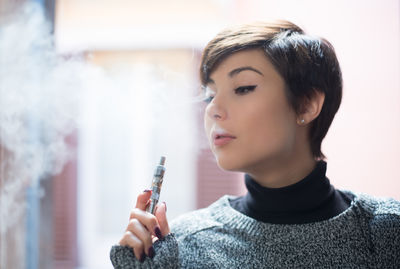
156, 185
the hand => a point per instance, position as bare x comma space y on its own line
144, 228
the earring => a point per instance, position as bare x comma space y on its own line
301, 121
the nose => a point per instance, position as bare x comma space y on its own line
215, 111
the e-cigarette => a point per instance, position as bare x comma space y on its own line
156, 185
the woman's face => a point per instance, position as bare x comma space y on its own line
248, 120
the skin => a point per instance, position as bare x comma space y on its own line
271, 142
140, 234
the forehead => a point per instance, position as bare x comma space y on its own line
253, 58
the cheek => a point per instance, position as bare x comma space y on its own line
207, 125
271, 127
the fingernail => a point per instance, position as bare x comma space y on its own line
165, 206
157, 231
151, 252
142, 257
147, 190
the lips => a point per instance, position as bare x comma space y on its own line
222, 138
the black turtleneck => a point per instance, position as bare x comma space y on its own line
310, 200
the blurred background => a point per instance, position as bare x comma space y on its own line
93, 92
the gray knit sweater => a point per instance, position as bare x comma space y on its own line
366, 235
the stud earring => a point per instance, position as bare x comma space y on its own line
301, 121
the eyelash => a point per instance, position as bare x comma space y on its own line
245, 89
239, 90
208, 99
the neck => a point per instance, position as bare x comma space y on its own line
285, 172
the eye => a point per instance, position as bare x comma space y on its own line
245, 89
208, 99
208, 95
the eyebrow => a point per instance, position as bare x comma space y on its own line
236, 71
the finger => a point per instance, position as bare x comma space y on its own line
140, 231
148, 220
143, 199
154, 238
161, 215
134, 242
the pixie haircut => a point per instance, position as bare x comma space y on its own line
307, 64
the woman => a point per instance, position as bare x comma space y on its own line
272, 93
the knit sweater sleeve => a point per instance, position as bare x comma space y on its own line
166, 256
175, 250
385, 233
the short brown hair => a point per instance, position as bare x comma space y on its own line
306, 63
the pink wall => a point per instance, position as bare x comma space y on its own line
363, 145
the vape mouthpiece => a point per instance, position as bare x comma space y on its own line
162, 160
156, 185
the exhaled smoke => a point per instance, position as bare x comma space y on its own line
41, 99
44, 97
39, 93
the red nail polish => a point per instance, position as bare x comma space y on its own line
151, 252
158, 233
142, 257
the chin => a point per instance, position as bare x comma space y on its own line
246, 163
229, 165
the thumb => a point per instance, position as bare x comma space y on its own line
161, 215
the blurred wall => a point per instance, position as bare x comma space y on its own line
362, 146
12, 235
9, 6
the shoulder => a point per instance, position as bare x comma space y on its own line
384, 220
382, 217
377, 206
198, 220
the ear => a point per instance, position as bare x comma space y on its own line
311, 108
